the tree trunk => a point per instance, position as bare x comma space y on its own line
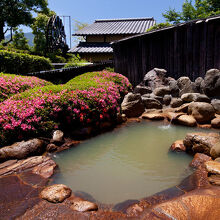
2, 36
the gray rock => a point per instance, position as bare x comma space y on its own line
167, 99
174, 89
198, 83
176, 102
185, 85
195, 97
57, 136
216, 104
132, 105
158, 98
211, 83
151, 103
155, 78
22, 150
142, 89
203, 112
162, 91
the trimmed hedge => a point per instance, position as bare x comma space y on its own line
19, 63
86, 100
11, 84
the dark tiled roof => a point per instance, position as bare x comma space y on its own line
85, 47
117, 26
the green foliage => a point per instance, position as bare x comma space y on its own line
78, 26
20, 42
56, 58
76, 61
201, 9
39, 30
159, 26
19, 63
14, 13
110, 69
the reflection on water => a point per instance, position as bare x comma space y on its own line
129, 163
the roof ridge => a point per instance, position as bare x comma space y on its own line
123, 19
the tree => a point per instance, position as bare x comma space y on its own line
16, 12
78, 26
201, 9
19, 40
39, 30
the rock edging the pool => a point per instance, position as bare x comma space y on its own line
22, 182
180, 101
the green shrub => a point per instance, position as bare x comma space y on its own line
19, 63
56, 58
86, 100
76, 61
159, 26
11, 84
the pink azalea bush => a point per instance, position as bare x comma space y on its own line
84, 101
12, 84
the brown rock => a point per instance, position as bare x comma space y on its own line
178, 146
42, 165
214, 179
215, 122
51, 148
183, 108
215, 150
151, 103
195, 97
217, 159
213, 167
201, 111
201, 142
172, 116
162, 91
186, 120
84, 206
153, 116
56, 193
199, 159
176, 102
134, 210
21, 150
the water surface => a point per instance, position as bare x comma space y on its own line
128, 163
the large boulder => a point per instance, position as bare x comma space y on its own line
186, 120
215, 122
195, 97
167, 99
153, 116
176, 102
211, 83
199, 159
151, 103
142, 89
198, 83
216, 104
56, 193
162, 91
201, 142
174, 89
23, 149
213, 167
153, 96
215, 150
186, 85
201, 111
84, 206
155, 78
132, 105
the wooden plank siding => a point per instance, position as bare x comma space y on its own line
189, 49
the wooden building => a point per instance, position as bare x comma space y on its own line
98, 36
187, 49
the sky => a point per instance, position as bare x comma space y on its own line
87, 11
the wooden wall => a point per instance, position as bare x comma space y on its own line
189, 49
